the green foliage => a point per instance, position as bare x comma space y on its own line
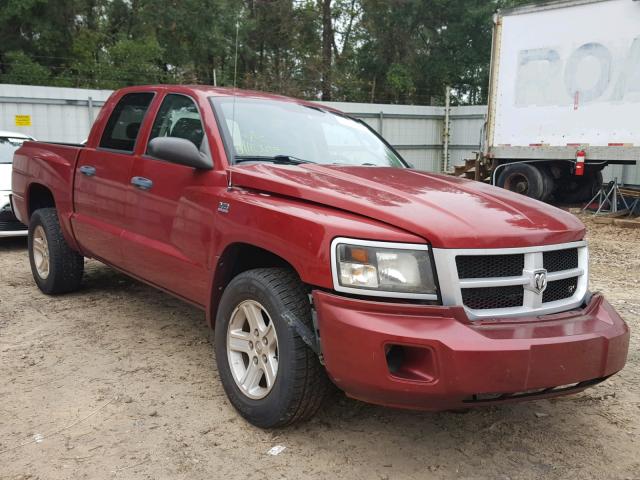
24, 71
400, 81
374, 50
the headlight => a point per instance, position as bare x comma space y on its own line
383, 269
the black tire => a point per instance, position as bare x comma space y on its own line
524, 179
549, 184
580, 189
66, 266
301, 384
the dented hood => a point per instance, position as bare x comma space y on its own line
446, 211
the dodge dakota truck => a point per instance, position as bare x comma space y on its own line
319, 255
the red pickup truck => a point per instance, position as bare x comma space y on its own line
319, 255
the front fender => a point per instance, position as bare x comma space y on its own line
298, 232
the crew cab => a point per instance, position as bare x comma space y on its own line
319, 255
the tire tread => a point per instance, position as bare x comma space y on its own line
66, 265
314, 385
310, 383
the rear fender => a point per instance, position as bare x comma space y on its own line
46, 166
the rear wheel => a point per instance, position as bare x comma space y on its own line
549, 184
573, 189
524, 179
269, 374
55, 266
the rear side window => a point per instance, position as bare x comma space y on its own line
178, 117
124, 123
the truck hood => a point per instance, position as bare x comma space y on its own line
446, 211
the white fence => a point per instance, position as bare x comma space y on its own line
66, 115
417, 132
52, 114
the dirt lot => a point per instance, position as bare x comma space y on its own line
118, 381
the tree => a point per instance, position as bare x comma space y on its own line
327, 48
401, 51
20, 69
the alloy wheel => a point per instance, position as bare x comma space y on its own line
252, 349
41, 252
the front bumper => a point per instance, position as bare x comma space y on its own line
449, 362
10, 226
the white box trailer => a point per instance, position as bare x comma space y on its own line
564, 89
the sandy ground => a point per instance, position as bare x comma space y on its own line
119, 381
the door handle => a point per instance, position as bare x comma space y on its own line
88, 170
141, 183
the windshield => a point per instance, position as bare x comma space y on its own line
262, 129
8, 145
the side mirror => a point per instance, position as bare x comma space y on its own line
179, 150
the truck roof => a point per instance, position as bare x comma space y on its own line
208, 90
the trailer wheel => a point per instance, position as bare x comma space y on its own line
580, 189
549, 184
524, 179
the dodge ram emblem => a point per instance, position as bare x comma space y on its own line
538, 281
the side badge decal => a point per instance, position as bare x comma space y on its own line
223, 207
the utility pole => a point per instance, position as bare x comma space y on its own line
447, 129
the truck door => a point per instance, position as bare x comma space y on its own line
102, 180
170, 218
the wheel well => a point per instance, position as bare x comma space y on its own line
238, 258
39, 197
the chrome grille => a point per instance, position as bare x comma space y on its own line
510, 282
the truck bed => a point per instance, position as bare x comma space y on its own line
53, 164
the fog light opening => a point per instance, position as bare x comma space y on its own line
410, 363
395, 358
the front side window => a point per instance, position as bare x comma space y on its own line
178, 117
8, 145
124, 123
256, 128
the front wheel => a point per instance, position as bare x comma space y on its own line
55, 266
269, 374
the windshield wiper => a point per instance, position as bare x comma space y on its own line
277, 159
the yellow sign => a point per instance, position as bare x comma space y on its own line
23, 120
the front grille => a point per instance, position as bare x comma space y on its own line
492, 283
11, 226
487, 266
493, 297
559, 260
560, 289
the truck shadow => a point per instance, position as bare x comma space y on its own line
13, 244
543, 438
